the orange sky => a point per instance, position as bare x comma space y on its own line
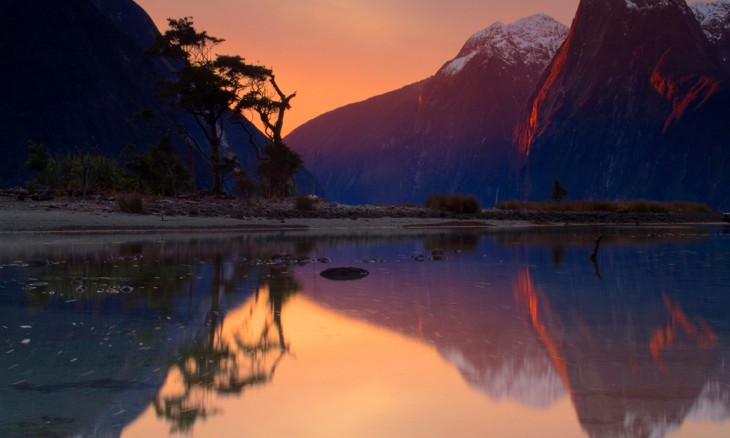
335, 52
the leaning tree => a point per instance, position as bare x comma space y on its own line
278, 163
212, 87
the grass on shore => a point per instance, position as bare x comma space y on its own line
130, 203
632, 206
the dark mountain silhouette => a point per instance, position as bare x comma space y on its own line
635, 104
131, 19
450, 132
73, 75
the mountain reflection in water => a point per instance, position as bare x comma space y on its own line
501, 335
640, 349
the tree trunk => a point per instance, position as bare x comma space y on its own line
215, 156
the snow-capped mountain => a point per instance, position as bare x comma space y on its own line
634, 104
714, 17
450, 132
532, 40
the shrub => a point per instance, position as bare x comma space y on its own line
279, 169
81, 172
633, 206
306, 203
243, 185
690, 207
557, 191
88, 173
453, 203
159, 171
590, 205
130, 203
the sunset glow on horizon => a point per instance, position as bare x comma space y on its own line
337, 52
333, 53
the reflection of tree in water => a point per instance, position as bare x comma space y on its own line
454, 242
233, 356
557, 254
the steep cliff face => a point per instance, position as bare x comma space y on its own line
631, 106
468, 110
70, 80
73, 75
450, 132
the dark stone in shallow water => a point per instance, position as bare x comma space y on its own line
344, 274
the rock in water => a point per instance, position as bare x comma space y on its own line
344, 274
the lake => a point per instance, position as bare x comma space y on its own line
468, 334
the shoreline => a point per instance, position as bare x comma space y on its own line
100, 215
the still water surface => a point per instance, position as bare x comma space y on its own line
500, 334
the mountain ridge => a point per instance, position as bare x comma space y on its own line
436, 133
632, 106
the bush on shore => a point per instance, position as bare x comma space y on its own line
130, 203
453, 203
79, 173
631, 206
306, 203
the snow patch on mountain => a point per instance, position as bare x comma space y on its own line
714, 17
532, 382
530, 40
641, 5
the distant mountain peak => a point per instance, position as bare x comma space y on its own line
530, 40
635, 92
451, 132
714, 17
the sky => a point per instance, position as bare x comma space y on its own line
336, 52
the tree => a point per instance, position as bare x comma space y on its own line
208, 86
278, 168
38, 160
557, 191
279, 163
159, 170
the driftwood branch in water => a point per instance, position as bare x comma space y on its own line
597, 242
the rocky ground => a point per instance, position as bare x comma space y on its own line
217, 207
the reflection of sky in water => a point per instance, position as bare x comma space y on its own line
343, 377
508, 335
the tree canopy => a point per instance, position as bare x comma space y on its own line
211, 86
